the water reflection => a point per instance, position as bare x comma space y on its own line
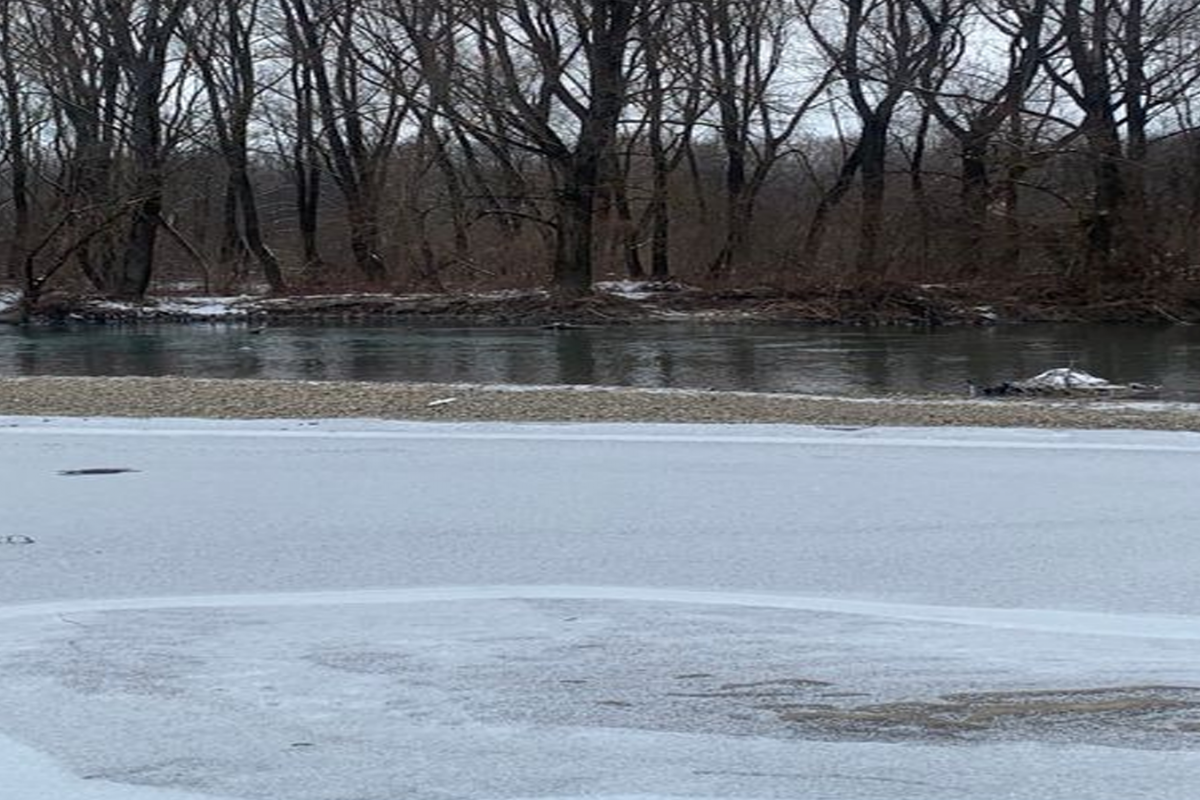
577, 358
757, 358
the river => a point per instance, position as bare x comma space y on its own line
771, 358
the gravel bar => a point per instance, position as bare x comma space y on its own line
271, 399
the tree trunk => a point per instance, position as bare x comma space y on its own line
974, 194
252, 228
19, 165
660, 222
814, 240
659, 211
364, 240
610, 24
308, 204
572, 268
873, 175
454, 193
625, 234
1192, 234
739, 216
920, 194
306, 170
137, 265
1010, 196
1102, 262
232, 255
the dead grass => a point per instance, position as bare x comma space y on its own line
855, 302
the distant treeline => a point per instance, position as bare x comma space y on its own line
416, 145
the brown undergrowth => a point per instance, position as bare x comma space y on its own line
867, 303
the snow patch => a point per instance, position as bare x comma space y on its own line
639, 290
205, 307
1065, 378
194, 308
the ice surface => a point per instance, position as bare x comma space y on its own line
1067, 521
348, 609
512, 698
26, 774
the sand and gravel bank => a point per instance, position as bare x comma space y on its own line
264, 399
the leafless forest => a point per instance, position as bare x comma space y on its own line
306, 145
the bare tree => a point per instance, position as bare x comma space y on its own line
550, 77
672, 103
973, 98
1124, 61
878, 49
360, 117
142, 36
16, 129
221, 37
745, 71
468, 138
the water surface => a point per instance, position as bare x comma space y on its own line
783, 358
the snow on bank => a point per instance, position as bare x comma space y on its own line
208, 308
641, 290
205, 307
190, 308
1066, 378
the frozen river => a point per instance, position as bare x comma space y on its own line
367, 611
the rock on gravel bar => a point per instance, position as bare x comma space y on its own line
265, 399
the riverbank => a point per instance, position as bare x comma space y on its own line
270, 399
628, 302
